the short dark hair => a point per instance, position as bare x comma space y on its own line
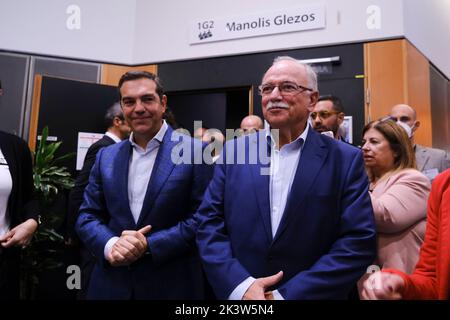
135, 75
114, 111
170, 118
337, 103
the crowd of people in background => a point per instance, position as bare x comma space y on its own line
309, 223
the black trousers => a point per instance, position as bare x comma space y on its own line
87, 263
9, 273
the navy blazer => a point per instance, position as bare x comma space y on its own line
171, 268
326, 237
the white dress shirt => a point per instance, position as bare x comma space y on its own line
283, 165
5, 191
139, 173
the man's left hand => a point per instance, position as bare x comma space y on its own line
257, 291
130, 247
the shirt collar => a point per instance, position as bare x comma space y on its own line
157, 138
113, 136
299, 141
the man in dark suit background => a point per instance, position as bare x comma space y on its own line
137, 214
430, 161
297, 224
117, 130
328, 116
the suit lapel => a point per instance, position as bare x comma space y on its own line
106, 140
261, 183
421, 157
161, 171
123, 160
313, 155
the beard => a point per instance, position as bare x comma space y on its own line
324, 128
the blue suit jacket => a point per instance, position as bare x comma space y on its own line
171, 269
325, 240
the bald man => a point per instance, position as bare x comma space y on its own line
430, 161
251, 124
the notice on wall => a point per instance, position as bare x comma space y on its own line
302, 18
346, 129
49, 138
85, 140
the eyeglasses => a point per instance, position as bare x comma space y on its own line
285, 88
322, 114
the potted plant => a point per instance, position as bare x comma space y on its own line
50, 180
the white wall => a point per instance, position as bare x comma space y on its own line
143, 31
162, 34
427, 26
40, 27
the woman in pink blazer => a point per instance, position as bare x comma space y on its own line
398, 192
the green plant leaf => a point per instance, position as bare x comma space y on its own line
50, 179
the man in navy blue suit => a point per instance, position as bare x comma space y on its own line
137, 214
295, 222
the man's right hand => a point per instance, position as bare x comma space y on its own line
383, 286
258, 288
130, 247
